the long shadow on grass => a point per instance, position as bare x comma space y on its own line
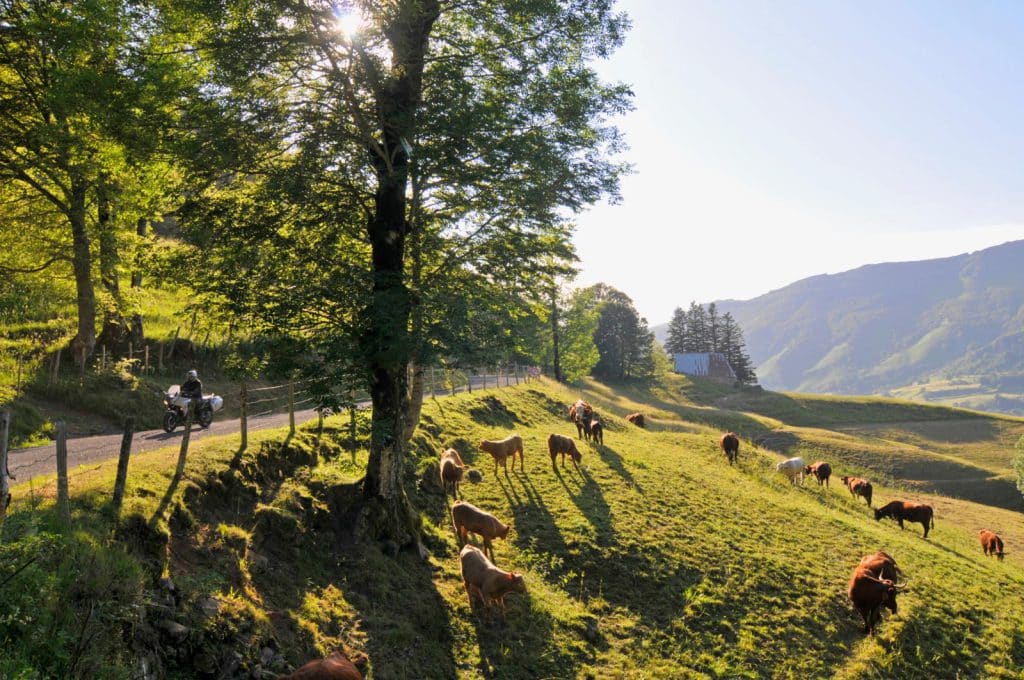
637, 576
614, 461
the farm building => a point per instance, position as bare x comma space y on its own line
704, 365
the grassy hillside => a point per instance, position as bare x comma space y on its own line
655, 561
887, 326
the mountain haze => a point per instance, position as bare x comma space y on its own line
883, 327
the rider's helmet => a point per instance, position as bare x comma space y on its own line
192, 375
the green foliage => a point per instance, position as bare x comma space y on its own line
623, 340
700, 330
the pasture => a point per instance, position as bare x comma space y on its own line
656, 560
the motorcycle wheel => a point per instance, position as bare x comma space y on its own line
170, 421
205, 416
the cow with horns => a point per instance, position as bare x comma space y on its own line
873, 585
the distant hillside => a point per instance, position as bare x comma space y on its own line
886, 326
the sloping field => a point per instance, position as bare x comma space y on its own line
656, 560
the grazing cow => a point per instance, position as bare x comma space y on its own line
911, 512
468, 518
821, 471
489, 582
637, 419
596, 431
991, 543
334, 667
503, 449
858, 487
451, 471
557, 444
730, 444
792, 468
869, 591
883, 565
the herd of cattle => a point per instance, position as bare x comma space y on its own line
877, 579
873, 585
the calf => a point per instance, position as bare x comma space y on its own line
730, 444
468, 518
504, 449
911, 512
792, 468
334, 667
858, 487
557, 444
821, 471
487, 581
596, 431
869, 593
637, 419
451, 471
991, 543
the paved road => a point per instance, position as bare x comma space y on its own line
42, 460
25, 464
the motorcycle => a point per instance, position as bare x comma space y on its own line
176, 405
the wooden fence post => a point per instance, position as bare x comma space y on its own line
160, 357
469, 381
291, 407
5, 478
122, 462
183, 452
63, 500
131, 356
243, 400
145, 367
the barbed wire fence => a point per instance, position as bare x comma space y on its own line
255, 402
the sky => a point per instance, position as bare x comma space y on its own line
772, 141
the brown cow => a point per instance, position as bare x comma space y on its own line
821, 471
582, 413
489, 582
991, 543
557, 444
883, 565
451, 471
503, 449
468, 518
911, 512
858, 487
869, 593
334, 667
730, 444
637, 419
596, 431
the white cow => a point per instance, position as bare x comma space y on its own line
792, 468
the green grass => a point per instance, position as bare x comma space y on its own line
657, 560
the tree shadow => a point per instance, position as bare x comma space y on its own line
494, 413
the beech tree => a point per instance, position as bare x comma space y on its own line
81, 107
432, 141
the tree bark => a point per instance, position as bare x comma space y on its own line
84, 342
115, 330
554, 335
137, 332
386, 344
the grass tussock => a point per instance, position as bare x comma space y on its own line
655, 560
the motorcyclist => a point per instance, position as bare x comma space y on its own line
192, 388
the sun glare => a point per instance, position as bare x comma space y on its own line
348, 22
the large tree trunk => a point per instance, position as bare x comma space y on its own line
115, 330
386, 344
555, 335
84, 342
138, 336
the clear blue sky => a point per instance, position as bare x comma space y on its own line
778, 140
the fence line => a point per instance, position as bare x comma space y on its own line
435, 382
